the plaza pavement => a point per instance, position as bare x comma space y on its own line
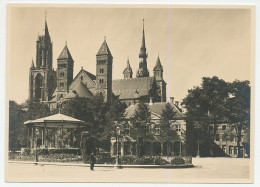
210, 170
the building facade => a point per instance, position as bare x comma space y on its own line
56, 86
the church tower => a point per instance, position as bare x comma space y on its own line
158, 75
104, 62
128, 73
42, 76
142, 70
65, 65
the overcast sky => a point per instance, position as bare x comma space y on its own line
192, 43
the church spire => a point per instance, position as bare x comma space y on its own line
32, 66
142, 70
142, 53
158, 68
128, 73
46, 33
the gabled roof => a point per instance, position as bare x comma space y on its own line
91, 76
156, 108
65, 54
132, 88
104, 49
79, 90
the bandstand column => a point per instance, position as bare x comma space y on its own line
45, 129
122, 148
112, 148
161, 148
62, 134
151, 148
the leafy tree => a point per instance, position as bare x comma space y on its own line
215, 102
238, 109
36, 110
17, 130
205, 104
141, 121
167, 131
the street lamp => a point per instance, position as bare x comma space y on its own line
118, 165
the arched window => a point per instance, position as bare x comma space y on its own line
61, 84
81, 78
157, 130
101, 81
62, 74
101, 70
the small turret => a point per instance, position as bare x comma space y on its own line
128, 73
158, 68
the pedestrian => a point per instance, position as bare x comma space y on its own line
92, 161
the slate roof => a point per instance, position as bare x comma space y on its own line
132, 88
65, 54
79, 90
155, 108
104, 49
158, 65
93, 77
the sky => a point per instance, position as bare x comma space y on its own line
192, 42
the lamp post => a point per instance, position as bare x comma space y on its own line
36, 137
198, 151
117, 165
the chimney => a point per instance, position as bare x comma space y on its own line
177, 103
172, 100
151, 101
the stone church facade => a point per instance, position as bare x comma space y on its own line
48, 85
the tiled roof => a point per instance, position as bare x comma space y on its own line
158, 65
65, 54
93, 77
104, 49
132, 88
155, 108
80, 90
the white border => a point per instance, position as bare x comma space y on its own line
181, 2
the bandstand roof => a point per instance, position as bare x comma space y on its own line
57, 120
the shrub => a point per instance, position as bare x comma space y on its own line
150, 161
25, 151
177, 161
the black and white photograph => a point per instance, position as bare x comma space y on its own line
130, 93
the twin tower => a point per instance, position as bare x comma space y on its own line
45, 84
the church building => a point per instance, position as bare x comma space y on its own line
51, 86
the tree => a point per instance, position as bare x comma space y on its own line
36, 110
205, 104
167, 131
17, 130
141, 121
238, 109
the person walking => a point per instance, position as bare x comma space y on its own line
92, 161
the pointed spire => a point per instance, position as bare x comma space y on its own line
32, 66
65, 54
158, 65
128, 70
104, 49
142, 53
128, 64
46, 33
